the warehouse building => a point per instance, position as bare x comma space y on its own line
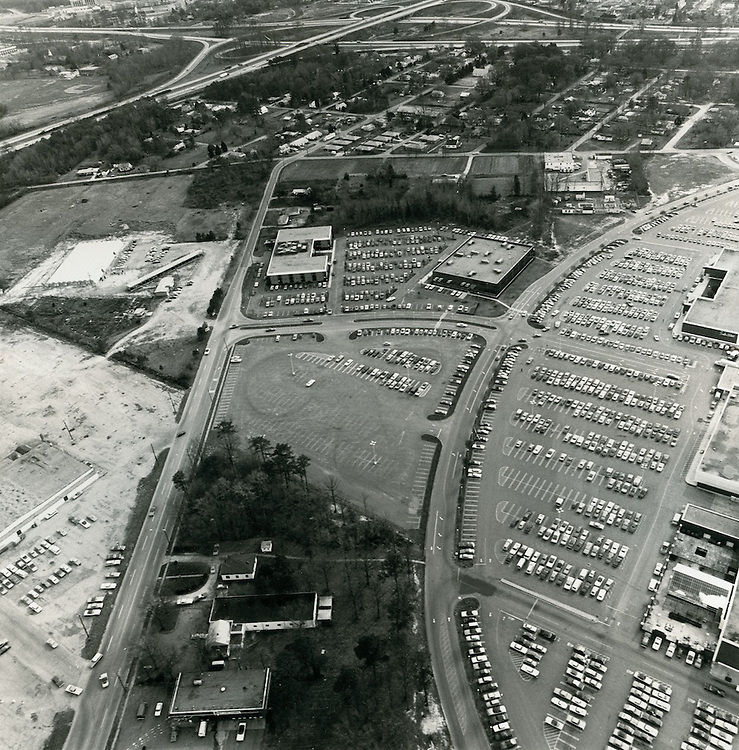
302, 255
482, 265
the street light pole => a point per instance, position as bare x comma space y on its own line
373, 443
292, 366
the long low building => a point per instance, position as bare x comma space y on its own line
302, 255
253, 612
482, 265
717, 468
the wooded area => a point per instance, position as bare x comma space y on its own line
129, 134
313, 76
329, 685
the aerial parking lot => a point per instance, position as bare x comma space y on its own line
599, 416
357, 405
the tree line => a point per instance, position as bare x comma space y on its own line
129, 133
312, 76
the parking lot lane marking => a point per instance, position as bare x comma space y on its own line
552, 602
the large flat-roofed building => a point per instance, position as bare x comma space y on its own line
302, 255
719, 594
714, 312
483, 265
229, 693
717, 468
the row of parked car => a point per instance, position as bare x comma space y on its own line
641, 717
605, 326
457, 380
606, 391
622, 309
592, 412
578, 538
556, 570
632, 280
526, 645
659, 256
641, 266
630, 296
671, 381
607, 513
409, 360
624, 346
546, 305
499, 727
711, 729
29, 598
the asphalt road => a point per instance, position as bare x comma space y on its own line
95, 715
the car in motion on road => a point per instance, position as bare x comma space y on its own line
713, 689
104, 682
241, 732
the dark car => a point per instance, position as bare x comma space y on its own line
713, 689
547, 635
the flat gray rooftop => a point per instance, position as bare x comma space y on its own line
227, 691
484, 259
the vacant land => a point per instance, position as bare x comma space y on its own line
672, 175
333, 168
36, 100
116, 419
36, 223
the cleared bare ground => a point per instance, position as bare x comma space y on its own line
117, 420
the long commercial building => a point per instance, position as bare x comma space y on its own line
713, 312
302, 255
483, 265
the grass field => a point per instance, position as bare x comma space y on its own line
671, 175
336, 421
335, 168
37, 222
460, 8
36, 100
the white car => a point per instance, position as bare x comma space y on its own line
241, 732
104, 682
158, 709
529, 670
73, 690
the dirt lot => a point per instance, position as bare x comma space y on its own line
334, 168
36, 100
117, 420
34, 225
672, 175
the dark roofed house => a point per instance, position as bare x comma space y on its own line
272, 611
238, 568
